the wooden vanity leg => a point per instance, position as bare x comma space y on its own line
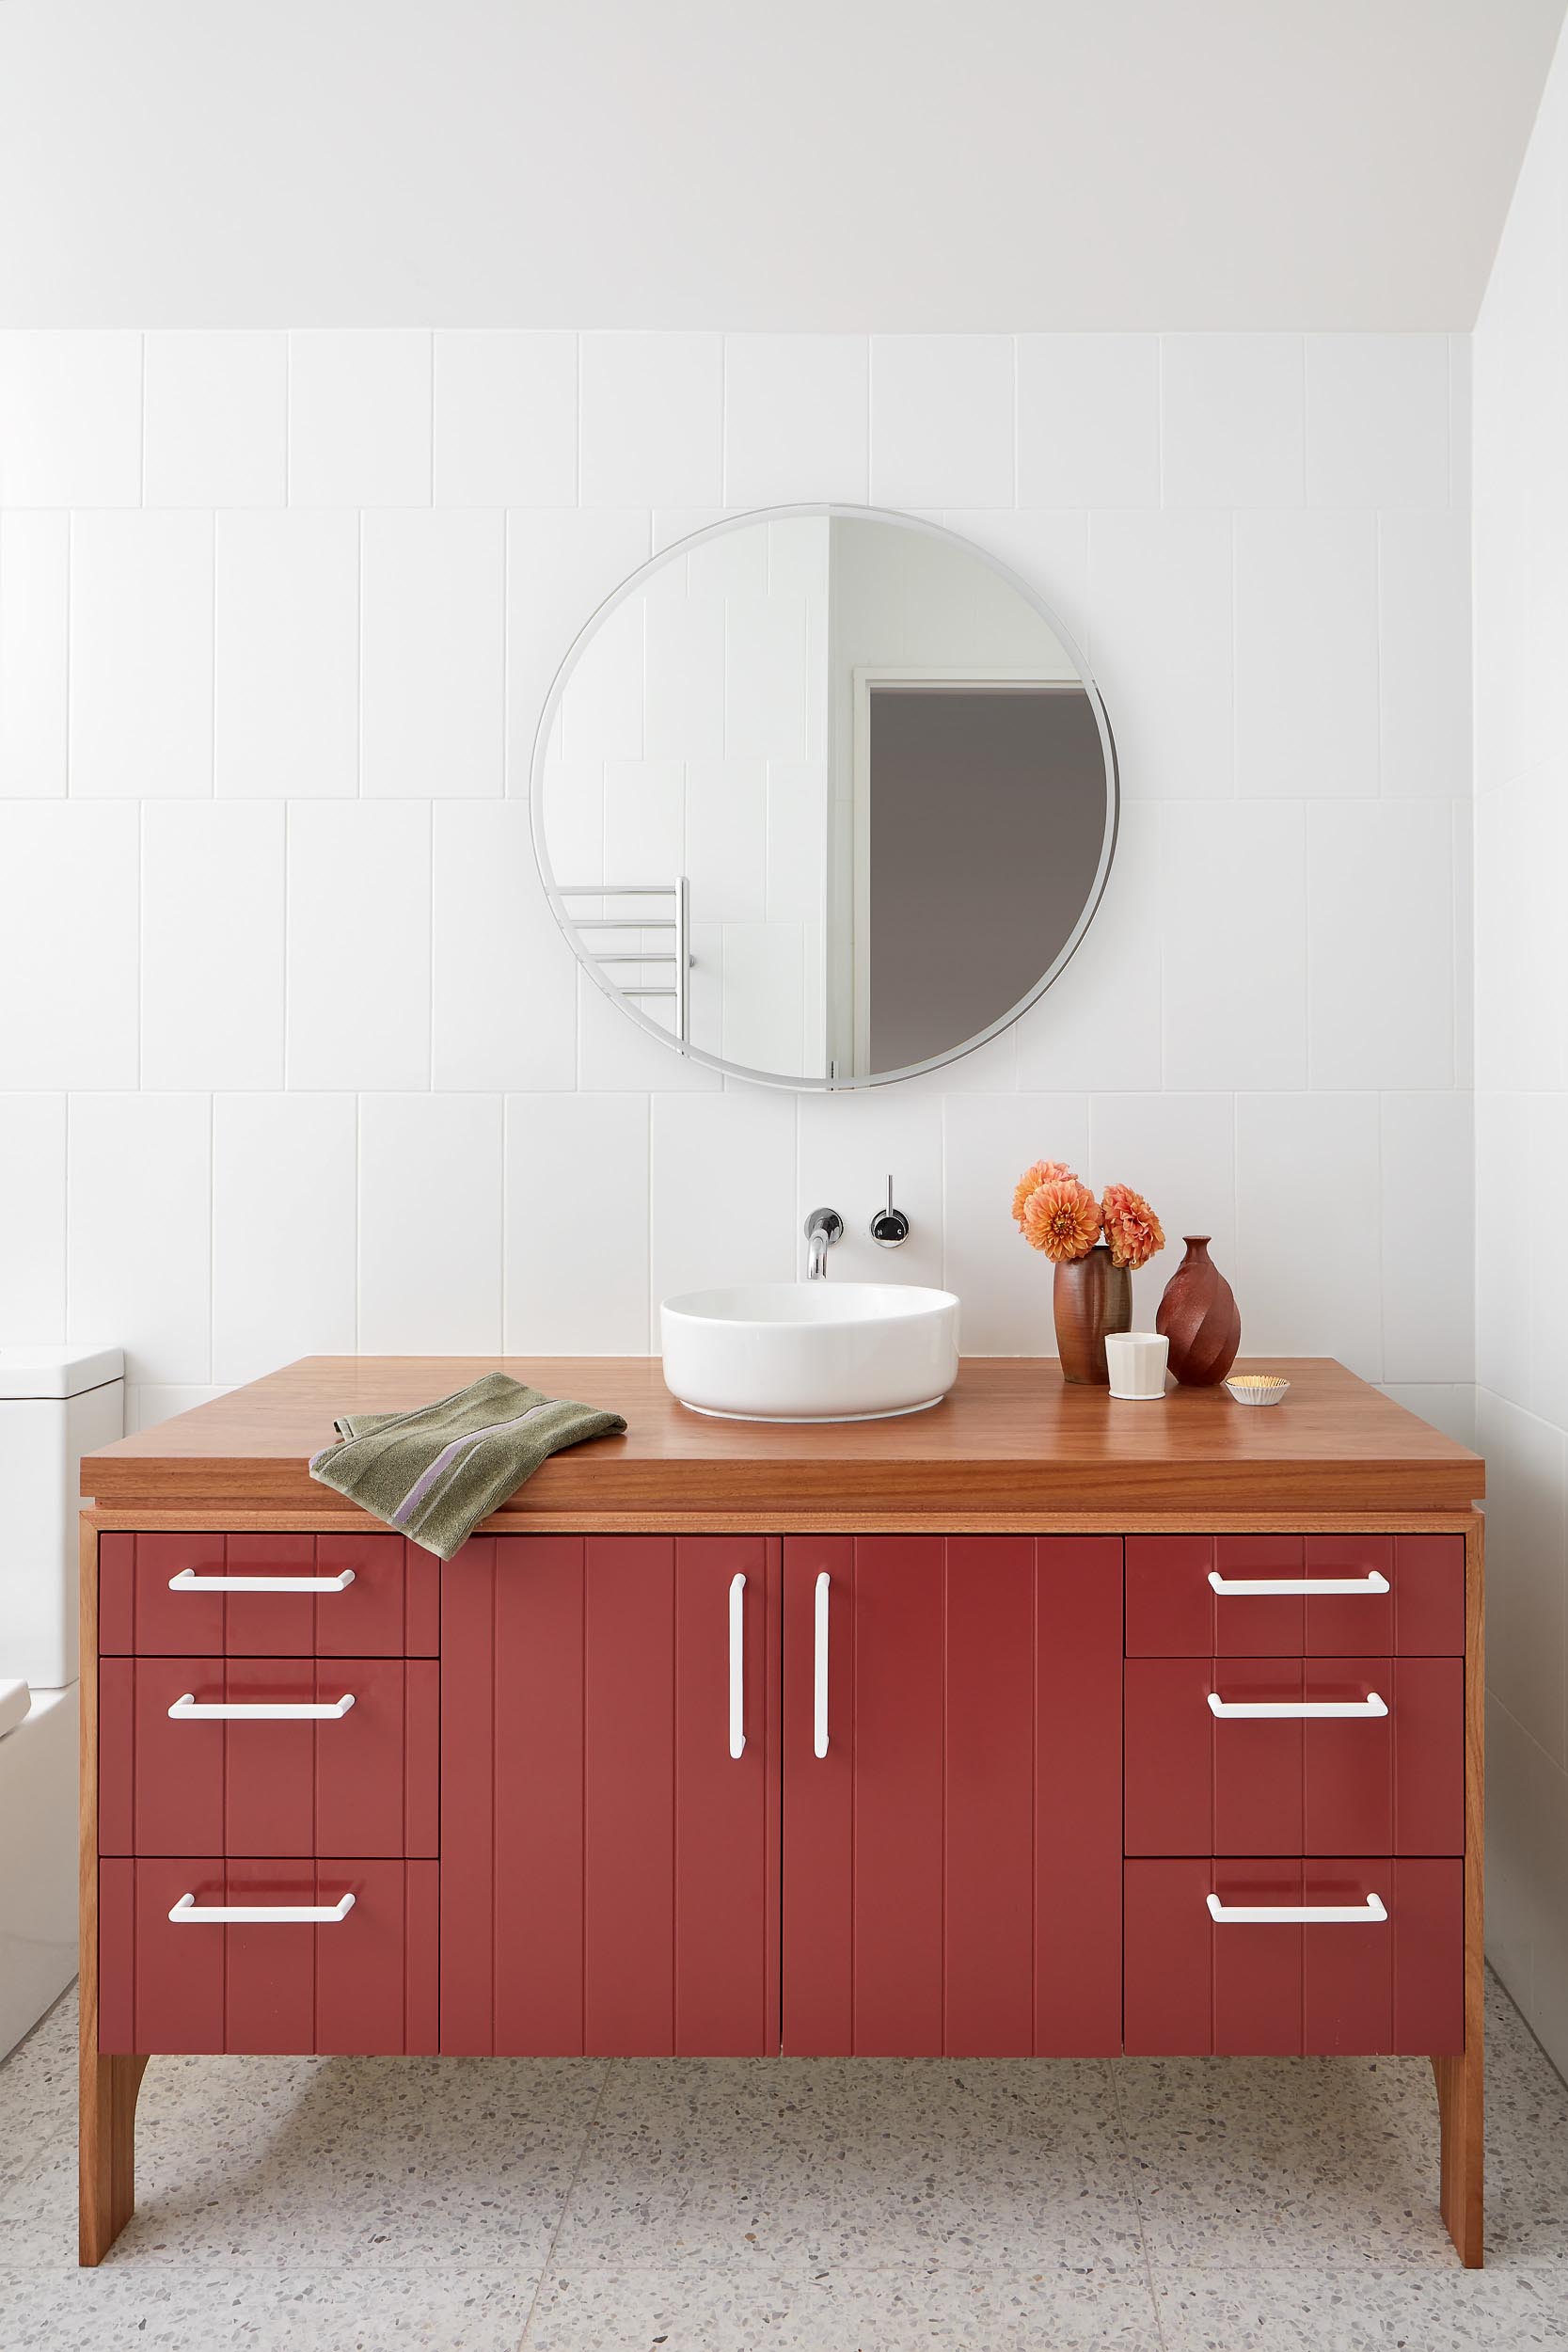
108, 2148
1461, 2080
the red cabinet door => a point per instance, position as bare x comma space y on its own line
268, 1595
1240, 1597
952, 1823
608, 1864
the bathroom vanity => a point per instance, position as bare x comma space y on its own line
1034, 1724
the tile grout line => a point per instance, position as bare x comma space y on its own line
548, 2262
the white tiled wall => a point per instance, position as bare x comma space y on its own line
277, 616
1521, 1057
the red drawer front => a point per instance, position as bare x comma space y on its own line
1379, 1785
363, 1984
1195, 1986
391, 1608
366, 1782
1174, 1611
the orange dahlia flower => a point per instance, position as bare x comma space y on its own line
1132, 1228
1043, 1172
1060, 1218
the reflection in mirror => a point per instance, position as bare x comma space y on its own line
823, 796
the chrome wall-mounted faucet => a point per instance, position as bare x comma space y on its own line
890, 1226
823, 1227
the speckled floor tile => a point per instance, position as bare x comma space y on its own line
37, 2082
1453, 2310
1284, 2162
699, 2307
211, 2311
854, 2163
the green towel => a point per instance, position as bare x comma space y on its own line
436, 1472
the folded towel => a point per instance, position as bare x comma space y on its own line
15, 1700
436, 1472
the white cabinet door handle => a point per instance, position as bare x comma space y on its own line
1298, 1914
1298, 1710
737, 1665
819, 1726
188, 1581
185, 1914
1310, 1585
186, 1710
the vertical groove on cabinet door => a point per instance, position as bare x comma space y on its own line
1257, 1768
898, 1795
269, 1625
721, 1841
538, 1800
989, 1796
818, 1843
1078, 1841
628, 1906
1429, 1967
117, 1755
467, 1800
117, 1593
1428, 1756
117, 1955
1429, 1594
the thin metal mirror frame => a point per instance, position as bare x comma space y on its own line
629, 587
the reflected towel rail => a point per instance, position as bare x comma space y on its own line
680, 923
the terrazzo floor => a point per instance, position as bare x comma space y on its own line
812, 2205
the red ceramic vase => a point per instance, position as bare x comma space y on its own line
1199, 1317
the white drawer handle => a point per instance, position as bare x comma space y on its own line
185, 1914
1311, 1585
188, 1581
819, 1726
186, 1710
1298, 1914
737, 1665
1298, 1710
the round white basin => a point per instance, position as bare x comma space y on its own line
810, 1351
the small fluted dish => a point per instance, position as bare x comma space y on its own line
1257, 1388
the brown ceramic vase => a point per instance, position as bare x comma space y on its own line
1090, 1296
1199, 1317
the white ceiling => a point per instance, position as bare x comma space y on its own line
787, 164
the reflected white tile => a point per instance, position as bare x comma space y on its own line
212, 944
722, 1189
286, 718
358, 943
1307, 655
284, 1216
1234, 952
503, 979
1004, 1287
1088, 420
141, 655
766, 677
617, 1054
683, 637
35, 570
1160, 635
217, 426
764, 1023
359, 417
80, 1025
1099, 1023
1306, 1275
429, 1224
506, 417
942, 420
1377, 420
1428, 1215
138, 1230
652, 419
70, 417
432, 633
577, 1225
1380, 945
795, 419
32, 1216
600, 714
730, 840
1231, 420
1048, 548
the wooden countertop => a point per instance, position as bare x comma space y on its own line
1011, 1437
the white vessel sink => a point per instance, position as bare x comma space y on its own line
810, 1351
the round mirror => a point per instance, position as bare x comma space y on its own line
824, 796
